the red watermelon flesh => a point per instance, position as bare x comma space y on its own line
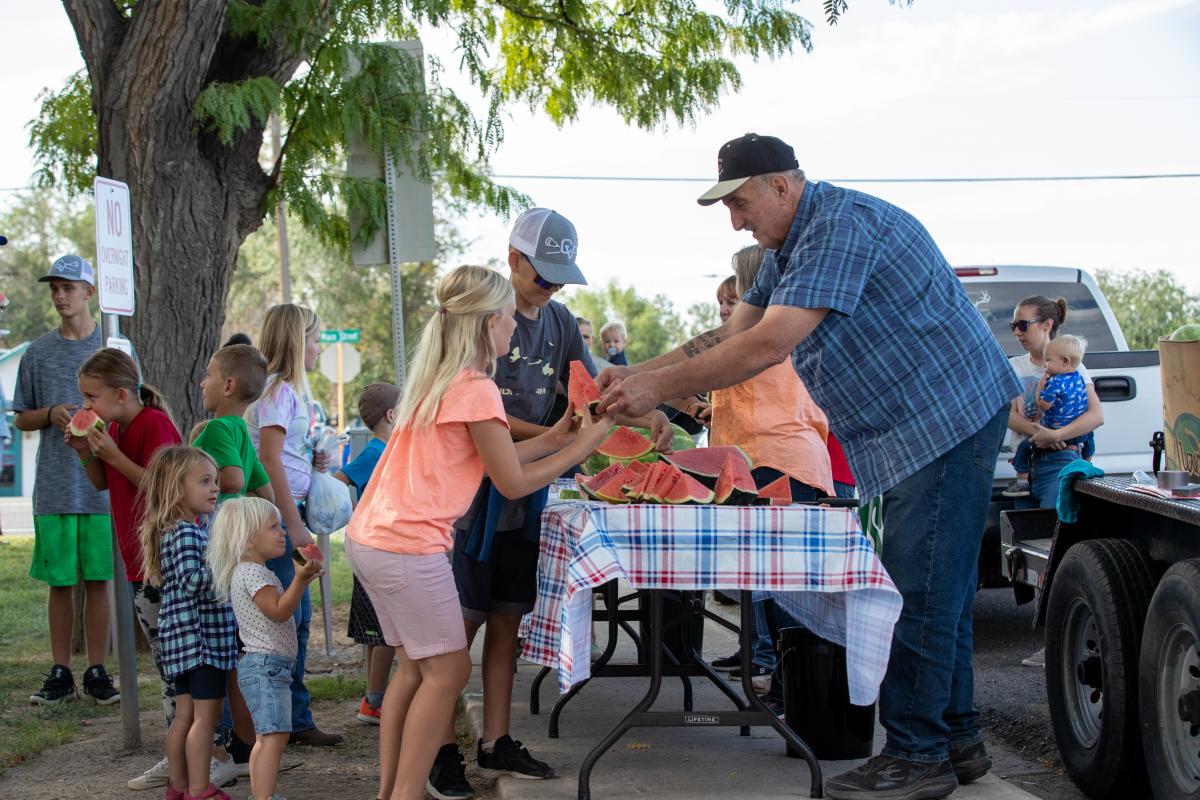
582, 391
83, 421
624, 444
705, 463
735, 486
614, 490
597, 481
670, 475
639, 467
310, 552
649, 495
778, 491
688, 490
636, 491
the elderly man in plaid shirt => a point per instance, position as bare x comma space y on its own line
916, 388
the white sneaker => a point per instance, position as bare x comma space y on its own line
1037, 659
221, 773
156, 776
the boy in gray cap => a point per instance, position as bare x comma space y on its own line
72, 531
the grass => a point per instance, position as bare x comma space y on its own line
25, 657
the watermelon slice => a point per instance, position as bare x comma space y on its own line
83, 421
625, 445
735, 486
668, 477
597, 481
778, 492
582, 391
705, 463
646, 491
636, 491
614, 490
310, 552
688, 490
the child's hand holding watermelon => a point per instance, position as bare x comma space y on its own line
310, 561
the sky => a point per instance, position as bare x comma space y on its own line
943, 88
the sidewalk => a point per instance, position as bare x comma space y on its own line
16, 516
668, 763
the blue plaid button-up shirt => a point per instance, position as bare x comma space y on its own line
903, 365
194, 627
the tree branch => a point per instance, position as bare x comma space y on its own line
99, 27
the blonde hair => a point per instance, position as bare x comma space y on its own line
615, 325
453, 339
116, 370
728, 289
282, 343
161, 497
746, 263
236, 523
1069, 347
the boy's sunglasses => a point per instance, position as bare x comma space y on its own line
538, 280
1022, 325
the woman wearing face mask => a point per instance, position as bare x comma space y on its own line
1036, 320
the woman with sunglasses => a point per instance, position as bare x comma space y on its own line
1036, 321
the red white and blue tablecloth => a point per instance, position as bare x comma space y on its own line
814, 561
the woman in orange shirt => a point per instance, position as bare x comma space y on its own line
775, 421
450, 427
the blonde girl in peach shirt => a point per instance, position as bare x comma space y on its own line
450, 427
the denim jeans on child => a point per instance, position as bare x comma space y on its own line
285, 569
934, 521
265, 680
1021, 456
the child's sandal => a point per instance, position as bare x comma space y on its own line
211, 793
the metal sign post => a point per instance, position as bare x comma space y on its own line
114, 279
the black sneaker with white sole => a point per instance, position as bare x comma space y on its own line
98, 685
59, 686
727, 663
509, 757
755, 672
448, 776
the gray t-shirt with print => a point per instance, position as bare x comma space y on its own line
47, 377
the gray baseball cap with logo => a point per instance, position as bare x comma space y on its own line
549, 241
71, 268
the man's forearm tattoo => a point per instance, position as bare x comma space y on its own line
705, 341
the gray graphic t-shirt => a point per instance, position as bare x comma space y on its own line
47, 377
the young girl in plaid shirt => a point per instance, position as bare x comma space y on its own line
196, 631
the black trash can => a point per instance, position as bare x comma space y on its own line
816, 698
679, 609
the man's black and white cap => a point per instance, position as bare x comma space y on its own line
71, 268
742, 158
549, 241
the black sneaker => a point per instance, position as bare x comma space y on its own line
98, 685
774, 703
58, 686
727, 663
755, 672
509, 757
889, 778
1016, 488
970, 763
448, 777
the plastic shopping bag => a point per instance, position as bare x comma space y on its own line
328, 508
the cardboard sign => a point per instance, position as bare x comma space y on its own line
1180, 364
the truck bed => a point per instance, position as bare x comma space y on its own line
1115, 490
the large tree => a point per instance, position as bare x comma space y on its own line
1148, 304
176, 96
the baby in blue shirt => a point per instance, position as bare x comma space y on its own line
1061, 395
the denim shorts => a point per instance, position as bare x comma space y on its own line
265, 681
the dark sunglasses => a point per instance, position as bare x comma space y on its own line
538, 280
1022, 325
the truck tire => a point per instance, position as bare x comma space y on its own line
1169, 684
1095, 612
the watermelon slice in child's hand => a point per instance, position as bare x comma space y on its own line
83, 421
310, 552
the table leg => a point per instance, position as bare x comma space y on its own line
814, 767
535, 690
656, 665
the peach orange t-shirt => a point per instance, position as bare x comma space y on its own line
775, 420
427, 476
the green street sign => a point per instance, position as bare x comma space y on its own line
345, 336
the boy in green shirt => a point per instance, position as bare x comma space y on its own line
235, 378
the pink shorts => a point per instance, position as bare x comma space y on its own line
414, 597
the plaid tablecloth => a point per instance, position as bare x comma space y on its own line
815, 562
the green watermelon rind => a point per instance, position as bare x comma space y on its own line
597, 461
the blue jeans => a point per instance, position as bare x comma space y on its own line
285, 569
767, 615
845, 490
934, 523
1043, 477
264, 680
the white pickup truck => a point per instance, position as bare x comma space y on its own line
1127, 381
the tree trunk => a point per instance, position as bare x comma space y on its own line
193, 200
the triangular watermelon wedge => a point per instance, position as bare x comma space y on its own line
735, 486
582, 391
639, 483
624, 444
668, 477
705, 463
614, 490
778, 492
688, 490
591, 485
